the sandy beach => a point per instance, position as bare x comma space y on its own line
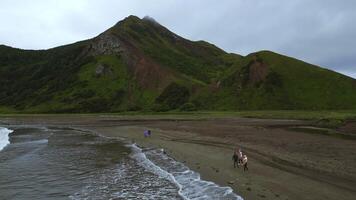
283, 164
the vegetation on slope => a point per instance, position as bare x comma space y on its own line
281, 82
139, 65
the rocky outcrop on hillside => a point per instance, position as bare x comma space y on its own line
105, 44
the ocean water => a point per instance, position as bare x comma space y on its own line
64, 163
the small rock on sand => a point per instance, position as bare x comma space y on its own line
262, 196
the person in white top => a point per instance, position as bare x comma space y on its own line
239, 155
244, 162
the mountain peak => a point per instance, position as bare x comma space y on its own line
128, 19
132, 20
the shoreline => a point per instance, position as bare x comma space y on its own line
283, 164
216, 166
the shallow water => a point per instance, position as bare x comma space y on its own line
62, 163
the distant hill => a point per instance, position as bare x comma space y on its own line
140, 65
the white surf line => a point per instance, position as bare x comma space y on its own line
162, 173
139, 156
4, 137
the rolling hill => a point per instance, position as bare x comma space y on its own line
140, 65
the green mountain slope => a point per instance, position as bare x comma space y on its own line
140, 65
266, 80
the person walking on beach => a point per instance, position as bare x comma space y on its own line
244, 162
147, 133
235, 158
239, 155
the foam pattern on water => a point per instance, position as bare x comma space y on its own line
189, 184
4, 137
128, 180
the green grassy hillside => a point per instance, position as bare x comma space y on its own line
139, 65
288, 83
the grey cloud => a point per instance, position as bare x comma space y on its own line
319, 31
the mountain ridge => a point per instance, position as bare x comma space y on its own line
138, 64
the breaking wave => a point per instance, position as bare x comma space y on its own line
190, 186
4, 137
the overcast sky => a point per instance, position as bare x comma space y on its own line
322, 32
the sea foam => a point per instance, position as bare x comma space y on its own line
189, 184
4, 137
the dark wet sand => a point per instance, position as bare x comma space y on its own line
283, 164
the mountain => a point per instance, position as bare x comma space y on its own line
140, 65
